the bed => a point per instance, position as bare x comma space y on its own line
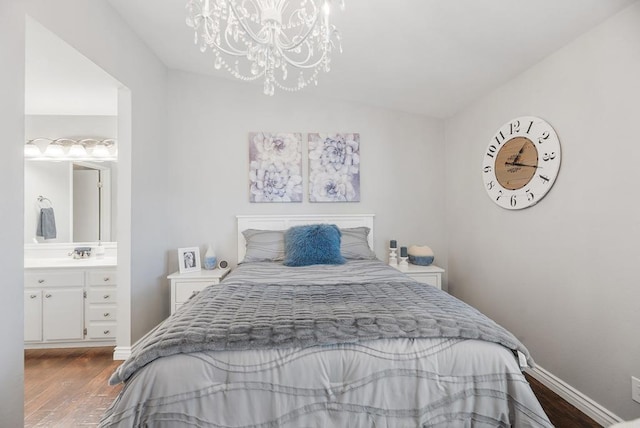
353, 344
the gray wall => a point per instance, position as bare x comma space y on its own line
11, 173
562, 275
209, 122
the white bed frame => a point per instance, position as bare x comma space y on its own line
283, 222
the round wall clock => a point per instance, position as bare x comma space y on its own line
521, 162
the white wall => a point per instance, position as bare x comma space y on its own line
209, 121
11, 186
562, 275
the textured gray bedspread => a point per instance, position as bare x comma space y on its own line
239, 315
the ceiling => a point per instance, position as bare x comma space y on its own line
429, 57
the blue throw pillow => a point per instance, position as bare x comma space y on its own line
317, 244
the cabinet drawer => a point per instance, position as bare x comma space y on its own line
102, 313
184, 290
102, 295
102, 330
101, 277
53, 279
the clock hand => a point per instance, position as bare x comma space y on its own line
519, 152
521, 164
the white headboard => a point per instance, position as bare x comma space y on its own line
284, 222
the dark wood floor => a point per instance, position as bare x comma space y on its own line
68, 388
561, 414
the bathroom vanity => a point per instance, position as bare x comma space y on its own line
70, 302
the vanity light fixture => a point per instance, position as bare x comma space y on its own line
71, 149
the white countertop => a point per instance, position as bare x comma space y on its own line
69, 262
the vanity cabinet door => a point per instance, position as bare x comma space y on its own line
62, 314
33, 315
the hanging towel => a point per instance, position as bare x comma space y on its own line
46, 224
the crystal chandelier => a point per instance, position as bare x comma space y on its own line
267, 38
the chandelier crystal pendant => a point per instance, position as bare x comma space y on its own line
255, 39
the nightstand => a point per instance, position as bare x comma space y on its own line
186, 285
431, 274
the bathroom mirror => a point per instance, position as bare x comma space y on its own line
82, 195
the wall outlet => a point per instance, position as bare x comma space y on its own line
635, 389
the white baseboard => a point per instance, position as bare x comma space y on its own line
121, 352
574, 397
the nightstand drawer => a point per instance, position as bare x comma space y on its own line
186, 285
427, 278
430, 275
186, 290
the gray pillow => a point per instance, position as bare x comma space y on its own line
354, 244
263, 245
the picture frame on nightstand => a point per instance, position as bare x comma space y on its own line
189, 259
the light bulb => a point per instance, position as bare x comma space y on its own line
100, 151
77, 150
54, 150
31, 150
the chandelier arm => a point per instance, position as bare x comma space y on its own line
246, 28
304, 37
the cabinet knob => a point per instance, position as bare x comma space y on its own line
47, 295
106, 296
106, 332
106, 279
33, 296
106, 314
40, 281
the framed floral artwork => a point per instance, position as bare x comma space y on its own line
334, 167
275, 167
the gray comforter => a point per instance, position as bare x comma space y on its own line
241, 315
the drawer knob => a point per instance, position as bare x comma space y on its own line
106, 296
47, 295
105, 279
106, 332
106, 314
193, 294
40, 281
33, 296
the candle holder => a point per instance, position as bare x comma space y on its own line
404, 264
393, 257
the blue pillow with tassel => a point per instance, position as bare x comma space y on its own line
316, 244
